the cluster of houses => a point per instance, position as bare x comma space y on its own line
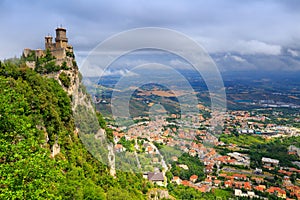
181, 137
243, 185
246, 123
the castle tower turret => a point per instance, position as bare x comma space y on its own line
48, 42
61, 39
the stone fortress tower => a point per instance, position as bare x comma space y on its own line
61, 39
60, 49
61, 66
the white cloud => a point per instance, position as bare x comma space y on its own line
234, 57
293, 52
239, 59
120, 73
214, 45
256, 47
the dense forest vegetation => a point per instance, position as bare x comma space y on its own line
35, 113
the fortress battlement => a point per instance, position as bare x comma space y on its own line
59, 49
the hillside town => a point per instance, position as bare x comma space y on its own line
231, 170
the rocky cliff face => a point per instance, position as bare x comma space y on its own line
157, 194
71, 71
66, 72
81, 99
71, 76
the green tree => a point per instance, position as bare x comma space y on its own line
65, 79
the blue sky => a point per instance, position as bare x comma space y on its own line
248, 27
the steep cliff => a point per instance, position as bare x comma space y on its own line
57, 61
42, 156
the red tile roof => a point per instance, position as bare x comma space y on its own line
275, 189
260, 188
193, 177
